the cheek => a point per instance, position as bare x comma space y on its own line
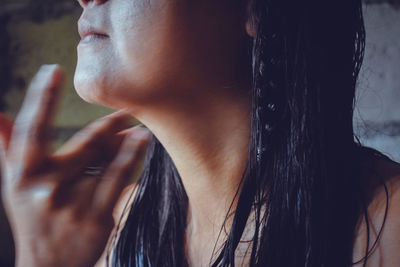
146, 63
151, 62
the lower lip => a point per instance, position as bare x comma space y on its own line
93, 38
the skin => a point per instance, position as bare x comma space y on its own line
168, 93
388, 244
177, 66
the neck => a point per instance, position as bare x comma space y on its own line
208, 141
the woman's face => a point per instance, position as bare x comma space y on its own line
145, 51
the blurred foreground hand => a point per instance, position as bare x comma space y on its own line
60, 204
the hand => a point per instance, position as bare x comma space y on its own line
60, 215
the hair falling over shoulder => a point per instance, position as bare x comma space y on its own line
302, 181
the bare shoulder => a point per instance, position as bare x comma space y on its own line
384, 200
125, 200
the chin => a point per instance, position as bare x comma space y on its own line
91, 84
98, 93
89, 91
120, 88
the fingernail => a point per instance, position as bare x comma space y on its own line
141, 133
48, 76
49, 67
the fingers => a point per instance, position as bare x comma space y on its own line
120, 170
29, 141
95, 145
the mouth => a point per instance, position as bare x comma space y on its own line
89, 33
91, 36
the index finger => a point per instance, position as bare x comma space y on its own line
29, 140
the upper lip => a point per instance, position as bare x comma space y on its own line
85, 29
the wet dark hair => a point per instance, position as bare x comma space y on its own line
304, 179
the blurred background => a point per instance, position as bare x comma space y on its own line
32, 33
377, 114
35, 32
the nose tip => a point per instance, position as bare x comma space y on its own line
84, 3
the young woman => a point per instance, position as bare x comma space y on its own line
251, 160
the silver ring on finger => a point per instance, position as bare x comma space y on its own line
94, 171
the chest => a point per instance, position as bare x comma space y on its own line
202, 250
